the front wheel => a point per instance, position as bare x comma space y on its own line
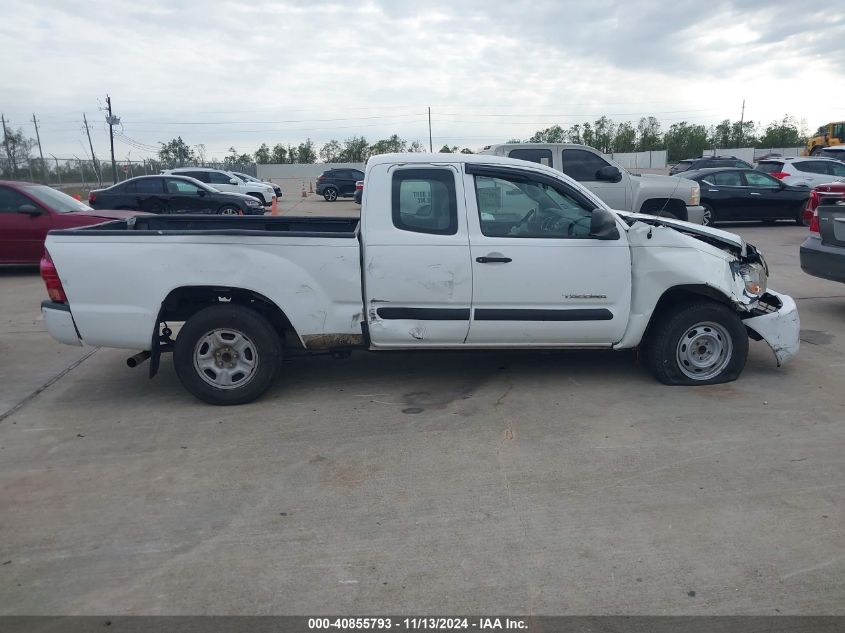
227, 354
701, 343
230, 210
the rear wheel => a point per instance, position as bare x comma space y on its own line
227, 354
709, 215
330, 194
700, 343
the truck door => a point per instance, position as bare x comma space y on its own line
583, 166
539, 278
416, 267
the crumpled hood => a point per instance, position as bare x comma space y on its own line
696, 230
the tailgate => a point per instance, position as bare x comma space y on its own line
832, 224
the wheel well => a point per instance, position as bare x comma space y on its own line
684, 294
673, 205
184, 302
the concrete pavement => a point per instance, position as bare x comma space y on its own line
540, 483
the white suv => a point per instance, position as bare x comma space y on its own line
227, 181
809, 171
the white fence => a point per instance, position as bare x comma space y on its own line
750, 154
640, 160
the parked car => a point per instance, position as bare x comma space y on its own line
247, 178
797, 170
823, 252
666, 196
335, 183
359, 191
173, 194
227, 181
746, 194
29, 210
707, 162
453, 251
836, 152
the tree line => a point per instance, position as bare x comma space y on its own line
681, 140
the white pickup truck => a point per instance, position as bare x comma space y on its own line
655, 194
451, 252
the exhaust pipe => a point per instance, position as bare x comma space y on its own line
137, 359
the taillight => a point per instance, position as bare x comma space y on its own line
814, 222
780, 175
51, 279
813, 202
321, 178
92, 197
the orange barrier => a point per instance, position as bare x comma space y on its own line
274, 207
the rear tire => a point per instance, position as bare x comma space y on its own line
709, 215
330, 194
227, 354
701, 343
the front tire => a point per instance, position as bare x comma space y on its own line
230, 210
227, 354
330, 194
701, 343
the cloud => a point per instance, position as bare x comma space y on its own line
264, 71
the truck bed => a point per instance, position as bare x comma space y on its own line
223, 225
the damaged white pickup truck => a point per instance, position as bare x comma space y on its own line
451, 252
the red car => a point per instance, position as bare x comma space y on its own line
827, 193
28, 210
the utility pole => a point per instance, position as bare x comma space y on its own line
112, 121
741, 121
12, 165
38, 137
430, 145
93, 157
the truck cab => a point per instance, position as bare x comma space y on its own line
827, 135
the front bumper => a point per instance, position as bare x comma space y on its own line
777, 323
695, 214
820, 260
59, 322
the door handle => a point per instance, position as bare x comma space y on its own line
754, 193
491, 260
714, 190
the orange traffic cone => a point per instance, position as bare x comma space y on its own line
310, 187
76, 196
303, 190
274, 207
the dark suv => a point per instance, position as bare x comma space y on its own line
707, 162
338, 182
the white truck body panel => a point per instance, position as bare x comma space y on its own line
416, 289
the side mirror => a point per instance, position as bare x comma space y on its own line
233, 181
30, 210
609, 173
603, 225
200, 192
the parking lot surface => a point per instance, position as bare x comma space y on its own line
533, 483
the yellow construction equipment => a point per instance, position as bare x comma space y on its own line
827, 135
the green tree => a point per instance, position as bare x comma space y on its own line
448, 150
306, 152
604, 130
649, 134
588, 135
683, 140
467, 150
388, 145
553, 134
262, 154
176, 152
573, 134
783, 133
279, 154
19, 148
355, 150
416, 147
330, 152
625, 139
201, 153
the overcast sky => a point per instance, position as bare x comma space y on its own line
229, 73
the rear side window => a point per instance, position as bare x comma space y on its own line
128, 187
582, 165
684, 165
216, 178
424, 201
726, 179
770, 167
202, 176
11, 200
150, 185
812, 166
542, 156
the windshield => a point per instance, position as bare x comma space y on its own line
56, 200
